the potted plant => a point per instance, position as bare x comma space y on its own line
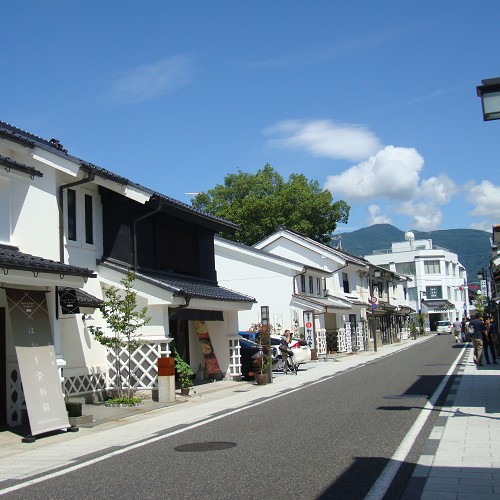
184, 371
74, 408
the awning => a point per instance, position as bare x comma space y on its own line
438, 304
324, 305
71, 299
197, 315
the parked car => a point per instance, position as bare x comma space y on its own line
443, 326
250, 353
301, 349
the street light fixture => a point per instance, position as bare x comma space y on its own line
489, 92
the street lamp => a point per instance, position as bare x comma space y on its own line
489, 92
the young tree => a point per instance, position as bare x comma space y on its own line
124, 320
262, 202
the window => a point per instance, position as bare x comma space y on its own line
433, 292
302, 283
80, 216
432, 267
311, 284
412, 293
318, 286
89, 220
71, 214
345, 282
407, 268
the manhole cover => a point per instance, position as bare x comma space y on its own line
210, 446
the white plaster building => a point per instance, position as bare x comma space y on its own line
439, 281
345, 307
70, 229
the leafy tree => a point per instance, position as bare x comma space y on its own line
124, 320
481, 304
260, 203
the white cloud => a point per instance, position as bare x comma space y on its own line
375, 217
483, 225
392, 173
153, 80
438, 190
425, 216
486, 198
325, 138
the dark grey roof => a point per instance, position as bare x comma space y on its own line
84, 299
12, 258
186, 287
54, 146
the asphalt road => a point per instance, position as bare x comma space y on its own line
331, 439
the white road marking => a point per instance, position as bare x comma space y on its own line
382, 484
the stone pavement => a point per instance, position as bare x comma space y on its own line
461, 459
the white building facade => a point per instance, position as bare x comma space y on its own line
439, 281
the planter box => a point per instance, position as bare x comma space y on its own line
74, 408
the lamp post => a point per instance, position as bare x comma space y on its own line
489, 92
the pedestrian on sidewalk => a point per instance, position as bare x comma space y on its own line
457, 329
495, 336
477, 339
489, 346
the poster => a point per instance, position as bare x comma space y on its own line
211, 363
37, 361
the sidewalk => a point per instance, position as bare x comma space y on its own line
461, 458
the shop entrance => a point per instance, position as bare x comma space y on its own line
179, 331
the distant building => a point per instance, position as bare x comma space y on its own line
439, 281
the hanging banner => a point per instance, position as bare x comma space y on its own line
68, 301
36, 357
211, 363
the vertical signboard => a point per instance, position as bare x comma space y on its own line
36, 357
309, 333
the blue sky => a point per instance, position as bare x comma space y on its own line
374, 100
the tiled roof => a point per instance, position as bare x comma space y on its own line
54, 146
84, 299
187, 287
12, 258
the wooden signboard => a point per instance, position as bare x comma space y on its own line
36, 357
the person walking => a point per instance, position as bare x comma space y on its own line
488, 343
477, 339
457, 329
284, 347
495, 337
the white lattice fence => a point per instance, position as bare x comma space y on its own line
344, 340
16, 402
143, 366
321, 340
360, 336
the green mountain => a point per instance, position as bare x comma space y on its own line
472, 246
